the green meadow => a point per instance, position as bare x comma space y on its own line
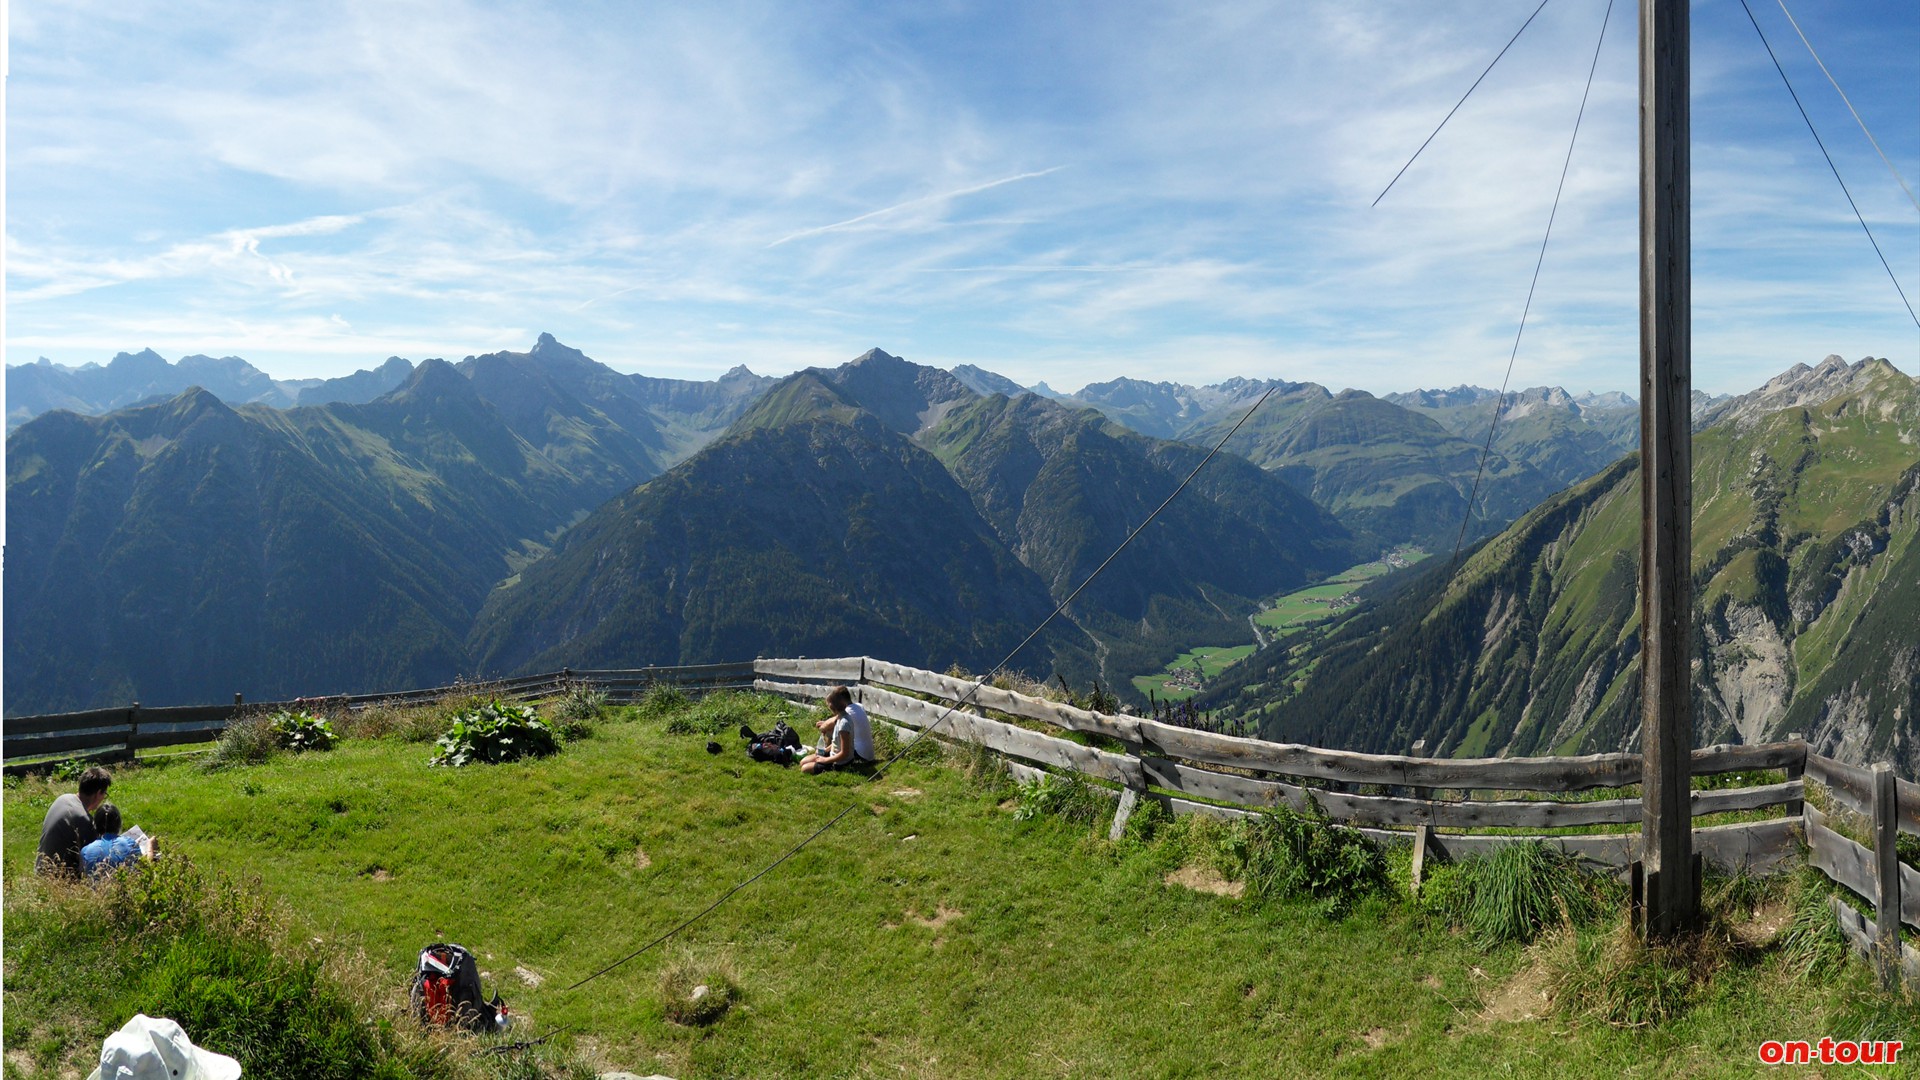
940, 930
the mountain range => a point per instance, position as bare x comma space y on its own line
185, 549
889, 508
1806, 581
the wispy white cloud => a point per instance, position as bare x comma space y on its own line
921, 203
614, 177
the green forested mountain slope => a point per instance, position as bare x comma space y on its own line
1063, 487
159, 553
884, 507
183, 550
1379, 467
813, 532
1805, 547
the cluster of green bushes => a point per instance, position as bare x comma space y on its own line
467, 727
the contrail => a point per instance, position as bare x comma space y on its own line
921, 201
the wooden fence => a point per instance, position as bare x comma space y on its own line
1890, 806
121, 733
1193, 771
1442, 805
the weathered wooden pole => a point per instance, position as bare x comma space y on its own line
1669, 899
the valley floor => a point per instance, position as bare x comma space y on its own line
932, 934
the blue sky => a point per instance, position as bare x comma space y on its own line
1067, 192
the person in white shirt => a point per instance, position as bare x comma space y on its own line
846, 736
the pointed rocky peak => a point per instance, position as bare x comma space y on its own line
1046, 391
549, 348
738, 372
982, 381
907, 397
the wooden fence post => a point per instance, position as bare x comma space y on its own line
1886, 833
133, 731
1423, 834
1797, 770
1129, 797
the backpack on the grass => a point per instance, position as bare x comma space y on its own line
446, 991
779, 745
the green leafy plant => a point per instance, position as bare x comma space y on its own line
1285, 852
494, 732
69, 769
298, 731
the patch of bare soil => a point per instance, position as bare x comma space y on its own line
1768, 921
528, 975
1524, 997
1207, 880
640, 860
941, 916
1375, 1039
906, 793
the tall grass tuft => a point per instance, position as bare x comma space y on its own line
724, 711
1617, 979
696, 991
1811, 945
662, 700
1516, 891
1065, 795
248, 740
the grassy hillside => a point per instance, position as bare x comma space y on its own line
1806, 521
934, 933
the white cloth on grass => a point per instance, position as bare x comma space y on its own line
155, 1048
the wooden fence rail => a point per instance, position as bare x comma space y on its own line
1875, 873
120, 733
1194, 771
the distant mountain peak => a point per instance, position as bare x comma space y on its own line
1798, 386
878, 355
548, 347
739, 371
982, 381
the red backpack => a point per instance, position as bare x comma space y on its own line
446, 991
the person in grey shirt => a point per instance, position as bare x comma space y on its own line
69, 824
847, 735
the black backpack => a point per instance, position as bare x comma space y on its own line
446, 991
777, 745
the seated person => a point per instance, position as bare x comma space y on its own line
846, 736
112, 849
69, 824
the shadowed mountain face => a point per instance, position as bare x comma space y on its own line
821, 536
185, 550
884, 507
1806, 532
